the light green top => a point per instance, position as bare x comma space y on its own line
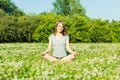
59, 45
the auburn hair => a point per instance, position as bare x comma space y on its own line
64, 32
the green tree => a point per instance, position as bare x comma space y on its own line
2, 13
68, 7
10, 8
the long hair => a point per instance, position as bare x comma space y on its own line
64, 32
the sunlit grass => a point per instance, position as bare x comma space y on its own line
94, 61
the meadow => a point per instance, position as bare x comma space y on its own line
94, 61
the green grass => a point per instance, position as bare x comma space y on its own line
22, 61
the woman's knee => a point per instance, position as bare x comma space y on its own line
74, 53
46, 56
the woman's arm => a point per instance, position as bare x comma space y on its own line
69, 49
48, 48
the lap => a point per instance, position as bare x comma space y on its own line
66, 58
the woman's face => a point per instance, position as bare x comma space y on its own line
60, 27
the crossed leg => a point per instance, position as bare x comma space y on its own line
66, 59
49, 58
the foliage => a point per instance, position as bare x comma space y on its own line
101, 31
115, 26
68, 7
80, 29
17, 29
22, 61
2, 13
15, 26
10, 8
37, 28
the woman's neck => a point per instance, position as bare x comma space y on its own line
59, 34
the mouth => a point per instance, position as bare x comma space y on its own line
60, 30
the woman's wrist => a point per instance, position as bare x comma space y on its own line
70, 51
74, 53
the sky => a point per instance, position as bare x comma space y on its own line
103, 9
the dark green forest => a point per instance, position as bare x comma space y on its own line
16, 26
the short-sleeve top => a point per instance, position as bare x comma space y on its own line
59, 45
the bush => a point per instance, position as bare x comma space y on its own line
37, 28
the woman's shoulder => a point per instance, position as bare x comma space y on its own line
67, 35
52, 35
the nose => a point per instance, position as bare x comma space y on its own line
61, 28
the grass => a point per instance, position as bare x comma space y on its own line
94, 61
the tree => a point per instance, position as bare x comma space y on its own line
2, 13
68, 7
10, 8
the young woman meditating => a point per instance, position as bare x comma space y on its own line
60, 42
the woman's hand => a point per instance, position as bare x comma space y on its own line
74, 53
43, 53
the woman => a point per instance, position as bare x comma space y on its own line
60, 42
